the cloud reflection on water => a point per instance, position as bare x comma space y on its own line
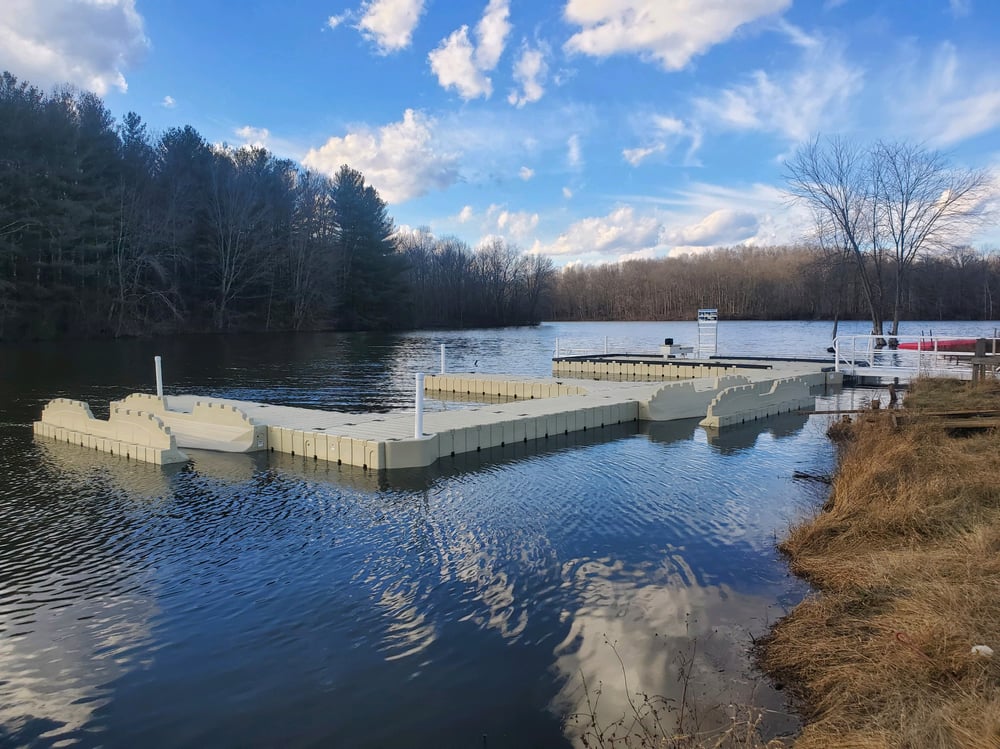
646, 628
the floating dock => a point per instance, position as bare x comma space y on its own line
587, 393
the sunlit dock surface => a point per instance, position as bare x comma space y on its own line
596, 392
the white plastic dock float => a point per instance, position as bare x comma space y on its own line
152, 428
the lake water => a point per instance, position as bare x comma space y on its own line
270, 600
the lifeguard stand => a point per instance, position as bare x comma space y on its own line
708, 339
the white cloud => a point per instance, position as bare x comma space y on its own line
621, 232
960, 8
793, 104
704, 216
950, 99
415, 234
647, 254
797, 35
670, 32
696, 219
459, 65
491, 33
452, 63
401, 160
529, 71
253, 136
636, 156
335, 21
574, 157
465, 215
669, 125
970, 116
86, 43
525, 173
662, 134
168, 102
515, 225
567, 193
720, 227
388, 23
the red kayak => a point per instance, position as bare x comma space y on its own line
944, 344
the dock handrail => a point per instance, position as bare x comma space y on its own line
610, 347
561, 350
922, 356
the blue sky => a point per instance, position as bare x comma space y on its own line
589, 130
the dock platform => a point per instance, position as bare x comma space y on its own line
720, 393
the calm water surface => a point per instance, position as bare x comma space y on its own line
272, 600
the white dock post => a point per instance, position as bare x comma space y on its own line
442, 359
418, 414
557, 348
159, 377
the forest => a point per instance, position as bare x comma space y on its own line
107, 230
777, 283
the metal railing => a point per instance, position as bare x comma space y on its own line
563, 350
576, 347
923, 356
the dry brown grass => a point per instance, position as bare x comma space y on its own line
953, 395
906, 557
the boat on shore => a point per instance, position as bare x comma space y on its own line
941, 344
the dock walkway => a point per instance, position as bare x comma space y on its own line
537, 408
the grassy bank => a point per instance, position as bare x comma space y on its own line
906, 559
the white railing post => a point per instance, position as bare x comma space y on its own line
442, 359
557, 348
836, 354
605, 345
157, 363
418, 413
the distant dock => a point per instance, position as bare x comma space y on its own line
586, 393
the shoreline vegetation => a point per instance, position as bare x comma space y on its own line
905, 559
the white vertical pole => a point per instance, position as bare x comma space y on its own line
442, 359
418, 416
557, 348
836, 354
159, 377
605, 345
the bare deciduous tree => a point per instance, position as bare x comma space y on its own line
925, 205
884, 205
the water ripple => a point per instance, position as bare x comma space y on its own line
223, 601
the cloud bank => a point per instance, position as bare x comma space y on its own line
89, 43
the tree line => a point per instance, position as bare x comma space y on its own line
106, 230
802, 282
